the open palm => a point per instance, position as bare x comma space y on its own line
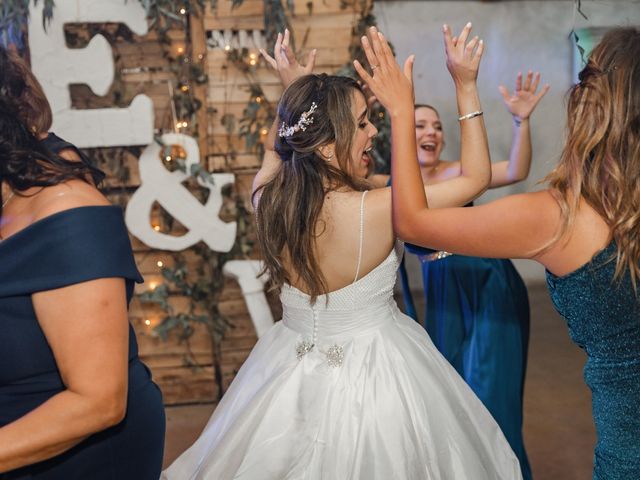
522, 102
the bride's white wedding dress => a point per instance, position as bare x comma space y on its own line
348, 389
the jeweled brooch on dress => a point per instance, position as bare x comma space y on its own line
303, 348
335, 355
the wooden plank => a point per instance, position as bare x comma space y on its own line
182, 385
253, 22
222, 163
224, 8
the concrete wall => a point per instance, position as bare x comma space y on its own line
519, 35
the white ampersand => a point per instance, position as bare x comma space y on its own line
160, 185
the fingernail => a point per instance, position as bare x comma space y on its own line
469, 25
444, 27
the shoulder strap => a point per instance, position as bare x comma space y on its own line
361, 235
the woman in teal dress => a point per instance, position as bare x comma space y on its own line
584, 229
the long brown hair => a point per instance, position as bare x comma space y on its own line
19, 81
600, 161
291, 202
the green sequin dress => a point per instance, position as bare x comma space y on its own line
604, 319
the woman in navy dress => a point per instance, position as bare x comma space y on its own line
584, 229
75, 400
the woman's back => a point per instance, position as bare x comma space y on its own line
354, 235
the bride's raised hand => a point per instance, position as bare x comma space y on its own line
391, 85
284, 61
463, 58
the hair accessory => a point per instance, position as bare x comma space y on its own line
305, 120
470, 115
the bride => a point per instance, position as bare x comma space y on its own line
346, 386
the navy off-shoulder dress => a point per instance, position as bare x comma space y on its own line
67, 248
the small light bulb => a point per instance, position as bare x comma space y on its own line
200, 56
147, 322
179, 124
264, 131
184, 88
185, 124
258, 99
252, 62
227, 48
160, 263
381, 114
156, 228
168, 158
252, 56
180, 50
153, 285
183, 11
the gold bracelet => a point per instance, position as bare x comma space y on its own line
470, 115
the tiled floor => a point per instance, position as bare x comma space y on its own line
559, 433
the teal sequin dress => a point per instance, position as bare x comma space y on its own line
604, 319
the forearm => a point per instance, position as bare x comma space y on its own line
475, 162
520, 154
54, 427
270, 139
407, 187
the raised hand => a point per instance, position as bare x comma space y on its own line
284, 61
392, 86
524, 99
463, 59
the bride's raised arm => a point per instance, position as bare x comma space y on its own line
393, 87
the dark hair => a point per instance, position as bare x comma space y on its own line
24, 96
25, 162
291, 202
18, 81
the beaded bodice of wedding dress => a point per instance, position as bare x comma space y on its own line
364, 305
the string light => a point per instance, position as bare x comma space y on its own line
147, 322
160, 264
200, 56
180, 49
258, 99
381, 114
153, 285
252, 62
227, 48
168, 158
185, 124
184, 88
264, 131
183, 11
156, 228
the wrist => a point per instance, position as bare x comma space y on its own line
518, 121
467, 86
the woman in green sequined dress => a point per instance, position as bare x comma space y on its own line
585, 229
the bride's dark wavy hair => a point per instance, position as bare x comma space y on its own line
25, 162
290, 203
